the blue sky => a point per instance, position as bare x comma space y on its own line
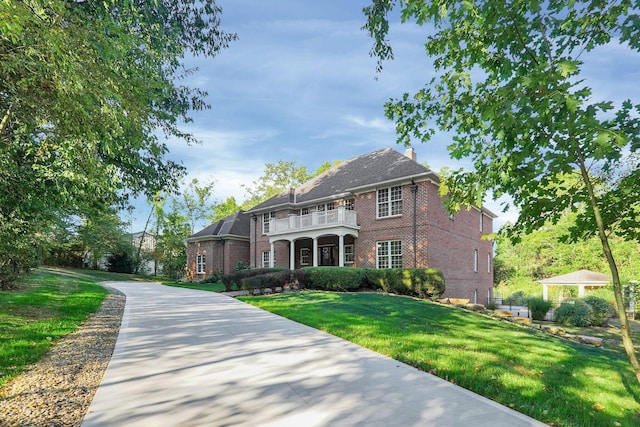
299, 85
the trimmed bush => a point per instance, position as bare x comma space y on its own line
578, 313
235, 278
539, 308
602, 309
418, 282
334, 278
272, 279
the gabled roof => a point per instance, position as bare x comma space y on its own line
580, 277
234, 226
381, 167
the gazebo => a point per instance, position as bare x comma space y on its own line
583, 279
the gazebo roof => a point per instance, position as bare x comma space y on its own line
580, 277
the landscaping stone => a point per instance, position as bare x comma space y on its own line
553, 329
474, 307
502, 313
525, 320
585, 339
458, 301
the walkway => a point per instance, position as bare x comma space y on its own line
193, 358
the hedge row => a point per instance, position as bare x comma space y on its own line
236, 278
418, 282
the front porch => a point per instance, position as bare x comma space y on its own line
321, 238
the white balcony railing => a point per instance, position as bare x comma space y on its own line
315, 220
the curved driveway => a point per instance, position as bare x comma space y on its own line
194, 358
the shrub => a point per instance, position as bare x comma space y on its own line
577, 313
241, 265
517, 298
539, 308
271, 279
334, 278
213, 278
602, 309
235, 278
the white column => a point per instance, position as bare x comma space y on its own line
545, 292
272, 254
580, 290
340, 250
315, 251
292, 255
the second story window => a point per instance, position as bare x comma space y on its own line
266, 217
389, 202
349, 204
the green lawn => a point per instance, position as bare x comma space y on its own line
45, 306
552, 380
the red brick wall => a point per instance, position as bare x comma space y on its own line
452, 243
442, 243
217, 258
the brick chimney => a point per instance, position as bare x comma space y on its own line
410, 153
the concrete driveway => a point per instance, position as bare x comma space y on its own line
194, 358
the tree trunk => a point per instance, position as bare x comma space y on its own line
144, 232
617, 286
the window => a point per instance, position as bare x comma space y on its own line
304, 256
389, 201
389, 254
266, 258
201, 264
349, 204
348, 254
266, 217
489, 262
481, 215
475, 260
304, 211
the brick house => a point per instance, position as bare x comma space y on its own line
219, 247
378, 210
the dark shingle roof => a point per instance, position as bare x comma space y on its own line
381, 166
236, 225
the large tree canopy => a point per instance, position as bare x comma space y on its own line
509, 85
88, 90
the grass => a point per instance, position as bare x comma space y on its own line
45, 306
212, 287
553, 380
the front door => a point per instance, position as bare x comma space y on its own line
326, 255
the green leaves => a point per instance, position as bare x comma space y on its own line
86, 90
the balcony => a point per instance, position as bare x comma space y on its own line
316, 221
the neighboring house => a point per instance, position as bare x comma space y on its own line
379, 210
219, 247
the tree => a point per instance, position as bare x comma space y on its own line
224, 209
87, 91
509, 84
279, 177
545, 252
173, 228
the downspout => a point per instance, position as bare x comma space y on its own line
414, 190
255, 239
224, 259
